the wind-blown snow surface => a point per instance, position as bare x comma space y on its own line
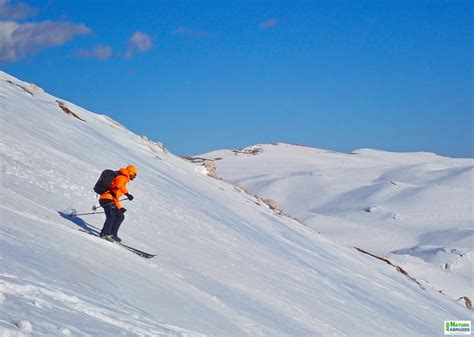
419, 206
225, 266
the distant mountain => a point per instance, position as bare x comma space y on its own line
226, 264
416, 208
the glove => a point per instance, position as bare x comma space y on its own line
123, 210
129, 196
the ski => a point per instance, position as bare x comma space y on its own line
125, 246
136, 251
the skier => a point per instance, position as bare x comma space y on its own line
110, 202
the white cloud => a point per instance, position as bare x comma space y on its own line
20, 40
17, 11
138, 43
269, 23
100, 52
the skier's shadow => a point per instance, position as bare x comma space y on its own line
80, 223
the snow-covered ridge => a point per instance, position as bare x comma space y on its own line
417, 206
225, 265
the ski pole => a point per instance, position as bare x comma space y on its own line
77, 214
94, 208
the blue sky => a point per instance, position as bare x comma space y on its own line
204, 75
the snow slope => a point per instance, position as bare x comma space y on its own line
417, 206
225, 266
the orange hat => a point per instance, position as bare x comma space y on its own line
132, 170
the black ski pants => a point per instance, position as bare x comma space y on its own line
113, 218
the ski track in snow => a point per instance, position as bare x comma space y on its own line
38, 296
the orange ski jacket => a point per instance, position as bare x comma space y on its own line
117, 187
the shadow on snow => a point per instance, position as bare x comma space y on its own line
80, 223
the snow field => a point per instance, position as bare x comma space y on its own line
225, 265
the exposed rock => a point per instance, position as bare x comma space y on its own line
467, 302
250, 151
66, 109
398, 268
194, 160
22, 87
209, 165
155, 146
211, 168
271, 203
